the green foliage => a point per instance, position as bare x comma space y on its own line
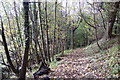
116, 28
112, 59
109, 54
65, 53
81, 35
113, 66
53, 64
68, 51
36, 67
91, 49
108, 43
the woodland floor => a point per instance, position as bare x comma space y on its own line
79, 65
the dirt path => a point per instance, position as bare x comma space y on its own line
78, 65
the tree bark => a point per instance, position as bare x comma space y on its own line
47, 38
66, 31
35, 32
54, 38
7, 51
42, 37
27, 40
112, 17
72, 38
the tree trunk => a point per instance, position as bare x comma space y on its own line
66, 31
42, 37
72, 39
54, 38
35, 33
7, 51
27, 40
19, 30
47, 38
112, 17
62, 46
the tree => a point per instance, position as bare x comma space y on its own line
27, 40
112, 16
47, 36
16, 71
42, 32
54, 36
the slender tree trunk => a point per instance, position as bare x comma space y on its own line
27, 40
7, 51
19, 39
72, 38
54, 45
62, 46
19, 30
96, 34
41, 30
12, 37
35, 32
47, 38
66, 31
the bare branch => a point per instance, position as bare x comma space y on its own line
100, 14
86, 21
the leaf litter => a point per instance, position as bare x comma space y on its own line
79, 65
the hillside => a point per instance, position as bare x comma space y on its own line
90, 62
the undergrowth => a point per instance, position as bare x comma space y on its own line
55, 63
65, 53
109, 54
112, 61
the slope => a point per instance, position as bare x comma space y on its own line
90, 62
